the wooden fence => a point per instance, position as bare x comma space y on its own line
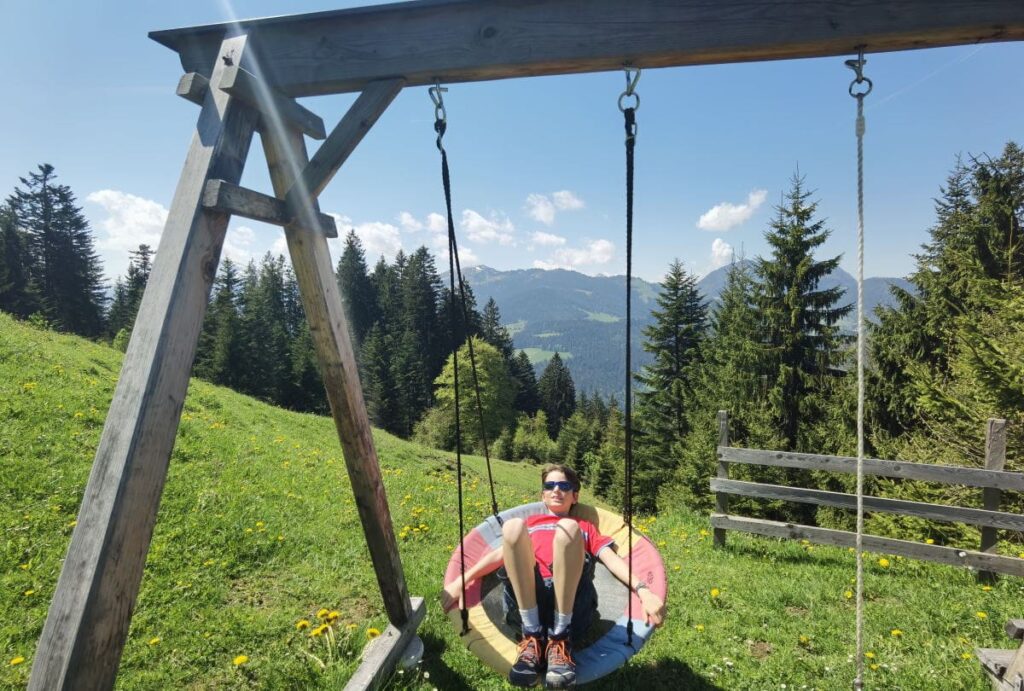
993, 480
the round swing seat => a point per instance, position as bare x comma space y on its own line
605, 648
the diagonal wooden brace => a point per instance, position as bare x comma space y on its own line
272, 104
222, 196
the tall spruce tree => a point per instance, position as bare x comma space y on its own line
220, 355
801, 340
527, 395
128, 293
492, 331
557, 394
356, 288
18, 295
64, 265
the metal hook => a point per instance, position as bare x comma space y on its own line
858, 68
436, 92
632, 77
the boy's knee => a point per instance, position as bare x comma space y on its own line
568, 532
513, 530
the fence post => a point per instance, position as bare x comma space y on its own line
995, 459
721, 498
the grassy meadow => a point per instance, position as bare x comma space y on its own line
258, 575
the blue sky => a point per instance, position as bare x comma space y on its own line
537, 164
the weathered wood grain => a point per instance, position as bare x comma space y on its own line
934, 512
721, 498
949, 475
192, 87
383, 652
82, 640
225, 197
470, 40
344, 138
286, 157
272, 105
995, 459
884, 545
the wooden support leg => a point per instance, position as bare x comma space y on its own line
86, 627
286, 157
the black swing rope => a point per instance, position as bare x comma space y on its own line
454, 268
632, 77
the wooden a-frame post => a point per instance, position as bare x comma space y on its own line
374, 50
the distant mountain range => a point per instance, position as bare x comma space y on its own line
583, 317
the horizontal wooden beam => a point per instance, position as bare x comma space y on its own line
225, 197
472, 40
932, 512
382, 653
193, 87
945, 474
884, 545
272, 104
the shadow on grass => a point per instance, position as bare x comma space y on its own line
664, 674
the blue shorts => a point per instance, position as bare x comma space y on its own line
582, 610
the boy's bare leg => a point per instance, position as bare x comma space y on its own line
567, 568
519, 561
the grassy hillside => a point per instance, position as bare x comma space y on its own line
257, 532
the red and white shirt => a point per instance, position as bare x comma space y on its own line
541, 529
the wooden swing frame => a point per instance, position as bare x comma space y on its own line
245, 76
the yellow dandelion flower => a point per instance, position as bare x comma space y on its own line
715, 592
260, 524
699, 627
981, 615
873, 666
986, 588
321, 613
318, 631
896, 633
248, 530
848, 594
72, 524
154, 640
869, 655
929, 541
240, 660
804, 640
23, 567
17, 660
280, 538
302, 624
372, 632
704, 533
333, 615
883, 562
677, 567
29, 593
966, 656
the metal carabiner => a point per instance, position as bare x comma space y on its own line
858, 68
435, 95
632, 77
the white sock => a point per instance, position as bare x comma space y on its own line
562, 622
531, 619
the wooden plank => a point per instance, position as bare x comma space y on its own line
994, 660
82, 640
192, 87
1015, 629
884, 545
721, 498
945, 474
995, 459
382, 653
1014, 674
311, 259
273, 105
470, 40
225, 197
344, 138
933, 512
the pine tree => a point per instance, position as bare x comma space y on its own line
378, 383
802, 341
674, 340
492, 331
17, 292
65, 267
128, 293
356, 288
219, 357
412, 387
557, 394
527, 396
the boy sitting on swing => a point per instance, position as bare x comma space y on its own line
547, 574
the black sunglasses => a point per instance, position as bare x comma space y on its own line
563, 485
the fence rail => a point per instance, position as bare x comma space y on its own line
993, 480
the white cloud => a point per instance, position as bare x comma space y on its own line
467, 257
409, 222
540, 208
485, 230
567, 201
596, 253
378, 238
130, 221
724, 216
721, 253
436, 223
238, 245
546, 239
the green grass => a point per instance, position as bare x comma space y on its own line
602, 317
257, 530
539, 355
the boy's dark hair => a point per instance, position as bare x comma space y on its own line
569, 473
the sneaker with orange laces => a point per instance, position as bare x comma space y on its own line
561, 673
529, 660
